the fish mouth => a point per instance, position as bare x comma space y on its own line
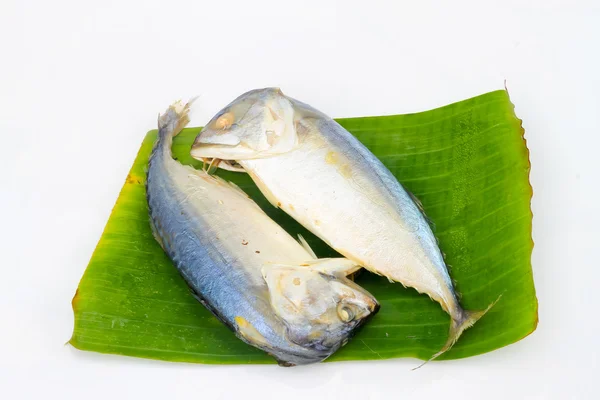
223, 151
352, 331
318, 351
359, 324
324, 350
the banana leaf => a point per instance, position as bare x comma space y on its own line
469, 165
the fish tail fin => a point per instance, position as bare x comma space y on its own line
172, 121
458, 325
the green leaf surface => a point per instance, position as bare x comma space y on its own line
468, 164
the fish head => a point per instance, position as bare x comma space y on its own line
321, 311
259, 123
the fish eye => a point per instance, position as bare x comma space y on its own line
345, 312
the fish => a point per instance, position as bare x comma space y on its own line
309, 166
241, 265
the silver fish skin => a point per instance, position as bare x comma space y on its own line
244, 267
316, 171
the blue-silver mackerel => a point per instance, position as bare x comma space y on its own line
316, 171
251, 274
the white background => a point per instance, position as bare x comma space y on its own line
82, 81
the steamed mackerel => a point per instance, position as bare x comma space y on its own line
316, 171
245, 268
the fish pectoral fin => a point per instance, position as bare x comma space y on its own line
333, 266
249, 333
306, 246
213, 166
265, 190
338, 267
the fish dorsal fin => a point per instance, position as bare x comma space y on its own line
306, 246
421, 209
416, 201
